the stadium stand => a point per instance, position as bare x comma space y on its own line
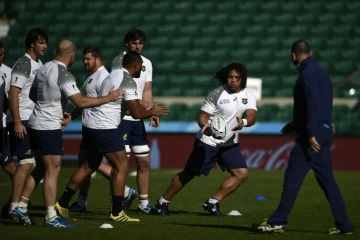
189, 40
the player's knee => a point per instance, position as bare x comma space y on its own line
242, 174
186, 176
141, 151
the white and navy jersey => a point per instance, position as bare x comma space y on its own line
2, 93
22, 76
54, 85
92, 86
227, 105
145, 76
7, 75
108, 116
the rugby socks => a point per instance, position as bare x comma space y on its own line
82, 200
143, 200
13, 205
23, 206
163, 200
127, 191
117, 204
213, 200
50, 212
66, 197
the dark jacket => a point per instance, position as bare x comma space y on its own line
313, 99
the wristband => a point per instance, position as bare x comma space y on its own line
245, 122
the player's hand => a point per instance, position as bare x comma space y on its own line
315, 146
160, 110
115, 95
289, 128
205, 130
154, 121
66, 120
19, 130
240, 124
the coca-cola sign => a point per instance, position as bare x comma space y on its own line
269, 152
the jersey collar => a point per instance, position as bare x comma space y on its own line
60, 63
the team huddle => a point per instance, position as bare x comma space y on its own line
112, 106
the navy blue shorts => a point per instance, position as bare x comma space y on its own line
47, 142
203, 158
101, 140
6, 156
20, 147
133, 132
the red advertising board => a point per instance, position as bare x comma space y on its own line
269, 152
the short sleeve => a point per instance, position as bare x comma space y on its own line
21, 72
251, 104
149, 72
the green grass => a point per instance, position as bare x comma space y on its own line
310, 217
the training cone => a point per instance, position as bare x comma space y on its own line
234, 213
260, 198
106, 225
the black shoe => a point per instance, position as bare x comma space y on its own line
213, 209
162, 209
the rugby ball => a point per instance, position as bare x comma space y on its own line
218, 128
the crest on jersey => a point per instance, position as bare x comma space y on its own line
143, 68
90, 80
244, 100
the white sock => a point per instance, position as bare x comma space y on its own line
143, 202
22, 207
213, 200
82, 200
127, 191
51, 212
163, 200
13, 205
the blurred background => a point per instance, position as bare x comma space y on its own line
188, 41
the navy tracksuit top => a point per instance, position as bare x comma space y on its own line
312, 99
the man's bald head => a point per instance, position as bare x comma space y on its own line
65, 47
300, 47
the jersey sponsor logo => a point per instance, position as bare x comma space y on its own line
143, 68
224, 101
244, 100
90, 81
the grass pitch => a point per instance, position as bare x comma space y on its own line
310, 218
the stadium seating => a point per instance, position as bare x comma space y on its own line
188, 41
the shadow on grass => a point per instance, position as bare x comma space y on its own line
10, 222
230, 227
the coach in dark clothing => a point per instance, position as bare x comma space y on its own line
312, 149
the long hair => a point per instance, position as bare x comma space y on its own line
222, 74
34, 35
